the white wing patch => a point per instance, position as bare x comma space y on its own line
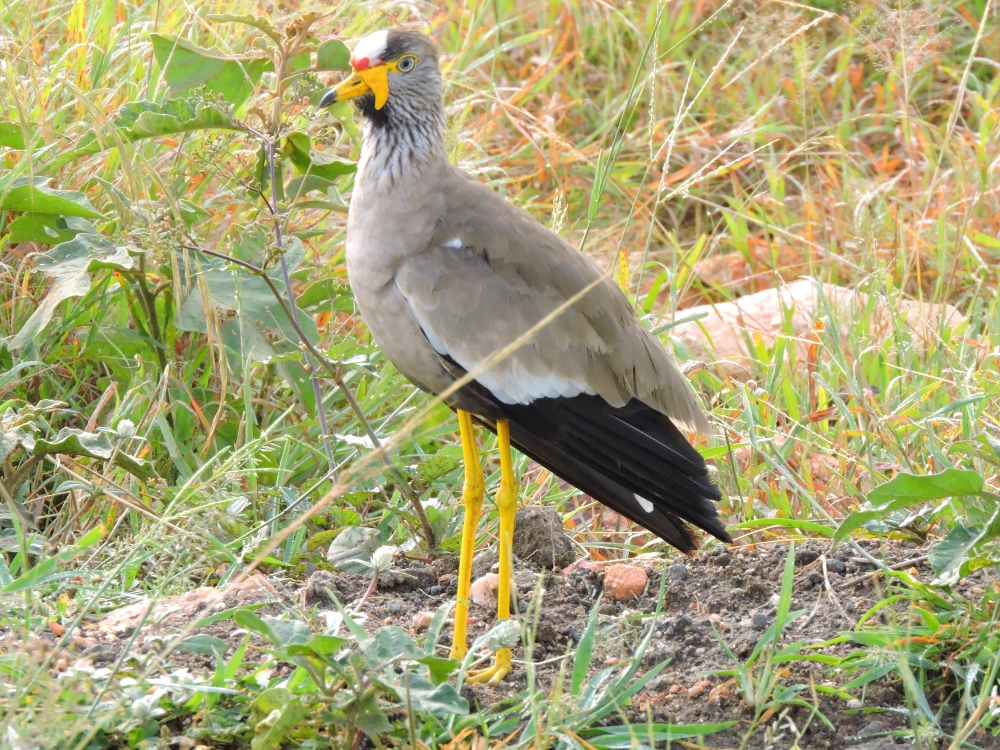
514, 386
371, 47
509, 382
644, 503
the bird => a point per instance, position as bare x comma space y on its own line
453, 280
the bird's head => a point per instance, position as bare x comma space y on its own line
395, 70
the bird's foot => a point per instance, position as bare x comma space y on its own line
493, 675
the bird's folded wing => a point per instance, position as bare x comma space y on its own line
488, 278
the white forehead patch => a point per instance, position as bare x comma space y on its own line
371, 48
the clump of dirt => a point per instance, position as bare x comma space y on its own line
727, 594
539, 539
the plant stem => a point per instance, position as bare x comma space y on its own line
404, 486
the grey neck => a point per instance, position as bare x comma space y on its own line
400, 144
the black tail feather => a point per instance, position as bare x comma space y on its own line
632, 459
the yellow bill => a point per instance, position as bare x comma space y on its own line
374, 79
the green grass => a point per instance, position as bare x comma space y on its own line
854, 143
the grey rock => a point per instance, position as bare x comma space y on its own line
435, 590
483, 562
397, 608
678, 572
759, 621
836, 566
525, 581
882, 743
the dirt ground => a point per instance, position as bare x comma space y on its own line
731, 591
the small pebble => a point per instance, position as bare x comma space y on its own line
752, 639
854, 703
746, 622
623, 582
751, 571
607, 608
775, 599
422, 620
873, 727
435, 590
836, 566
698, 689
397, 608
678, 572
759, 621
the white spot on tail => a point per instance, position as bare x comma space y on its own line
455, 243
371, 47
644, 503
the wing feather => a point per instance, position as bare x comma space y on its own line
491, 272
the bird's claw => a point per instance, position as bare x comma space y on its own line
492, 675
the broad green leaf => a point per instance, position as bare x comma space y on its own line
441, 701
298, 187
74, 442
247, 619
389, 644
438, 465
21, 195
333, 55
186, 65
11, 135
287, 632
325, 644
907, 489
950, 557
327, 291
370, 718
139, 120
69, 266
208, 645
47, 229
297, 149
283, 712
917, 487
317, 540
353, 548
438, 667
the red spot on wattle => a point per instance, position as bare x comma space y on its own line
361, 64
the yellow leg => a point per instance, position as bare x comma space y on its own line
472, 498
507, 506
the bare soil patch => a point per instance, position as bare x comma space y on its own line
726, 591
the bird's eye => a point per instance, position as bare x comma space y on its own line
406, 63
